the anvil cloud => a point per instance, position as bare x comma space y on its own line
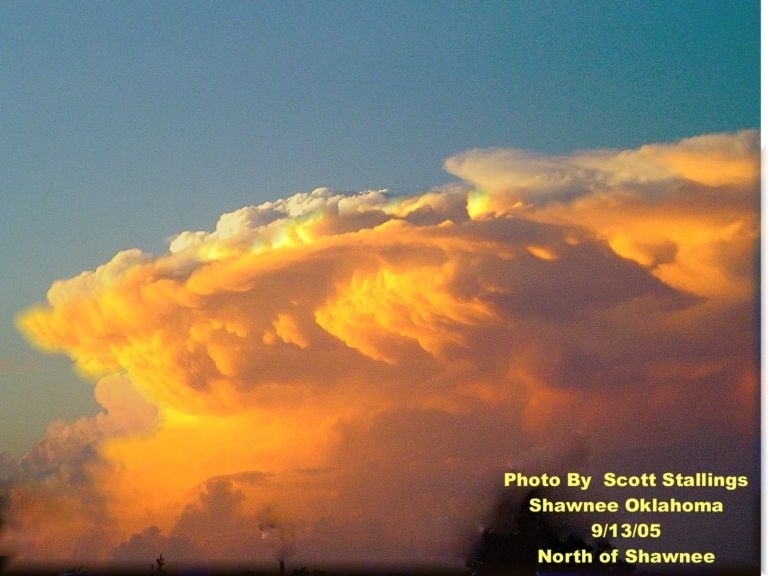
338, 375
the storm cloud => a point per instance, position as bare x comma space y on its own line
344, 375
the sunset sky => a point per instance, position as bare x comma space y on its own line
314, 273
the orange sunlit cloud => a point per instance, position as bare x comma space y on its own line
338, 375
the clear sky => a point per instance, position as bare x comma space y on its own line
126, 122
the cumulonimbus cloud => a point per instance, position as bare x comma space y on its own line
353, 368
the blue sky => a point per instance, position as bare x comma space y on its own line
125, 123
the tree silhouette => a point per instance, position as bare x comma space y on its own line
160, 563
510, 543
